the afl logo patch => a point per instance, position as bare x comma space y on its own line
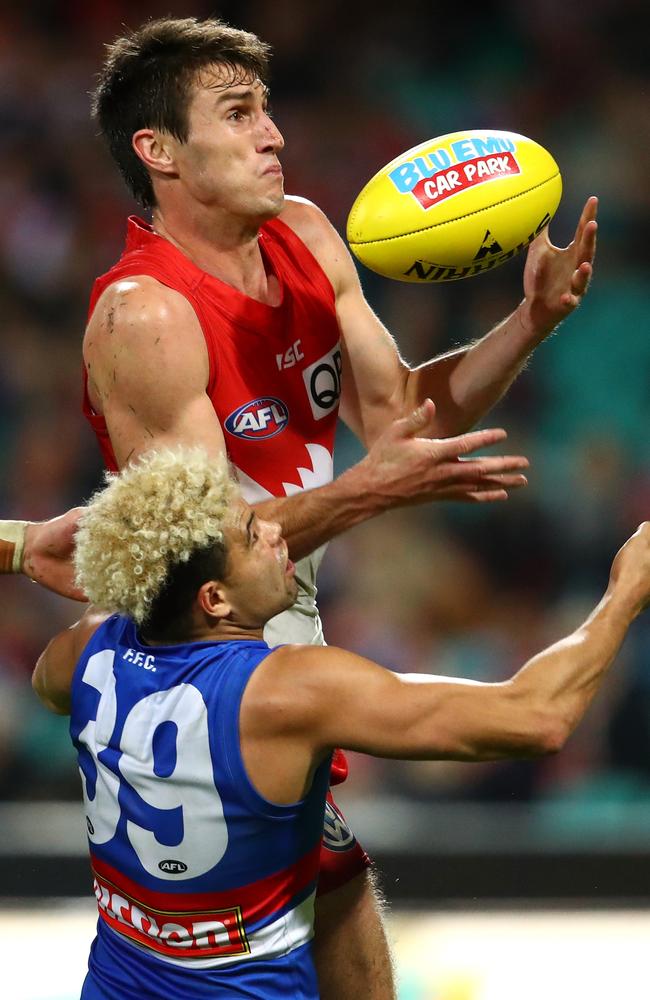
263, 417
173, 867
337, 835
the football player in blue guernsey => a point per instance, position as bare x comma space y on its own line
205, 754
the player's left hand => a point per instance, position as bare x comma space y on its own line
556, 278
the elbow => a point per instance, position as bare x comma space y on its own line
548, 734
538, 725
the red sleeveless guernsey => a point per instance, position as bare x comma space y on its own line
274, 382
275, 372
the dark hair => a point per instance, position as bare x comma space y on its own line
170, 610
146, 79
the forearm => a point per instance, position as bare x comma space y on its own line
405, 465
313, 517
42, 550
465, 384
558, 684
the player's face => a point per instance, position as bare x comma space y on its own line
260, 580
230, 160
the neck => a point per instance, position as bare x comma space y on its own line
221, 245
180, 633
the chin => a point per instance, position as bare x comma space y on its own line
283, 603
275, 207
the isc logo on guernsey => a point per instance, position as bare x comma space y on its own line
263, 417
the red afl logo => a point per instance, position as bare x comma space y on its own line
263, 417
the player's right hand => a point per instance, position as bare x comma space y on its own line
47, 557
630, 572
407, 466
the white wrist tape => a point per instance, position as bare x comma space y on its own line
12, 543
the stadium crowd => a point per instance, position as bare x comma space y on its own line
448, 589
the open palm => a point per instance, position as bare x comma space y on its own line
556, 278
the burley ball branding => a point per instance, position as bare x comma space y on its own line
442, 172
489, 255
263, 417
454, 206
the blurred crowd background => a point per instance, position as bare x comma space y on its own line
451, 589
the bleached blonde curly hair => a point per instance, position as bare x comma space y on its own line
155, 514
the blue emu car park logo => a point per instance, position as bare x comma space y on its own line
261, 418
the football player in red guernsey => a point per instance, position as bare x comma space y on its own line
235, 320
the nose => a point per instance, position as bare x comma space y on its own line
274, 533
271, 137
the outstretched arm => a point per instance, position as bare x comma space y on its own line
150, 384
466, 383
404, 466
328, 697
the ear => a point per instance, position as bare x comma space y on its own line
155, 149
213, 601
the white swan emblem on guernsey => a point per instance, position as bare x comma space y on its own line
321, 472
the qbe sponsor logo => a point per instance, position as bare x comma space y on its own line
323, 383
337, 835
258, 419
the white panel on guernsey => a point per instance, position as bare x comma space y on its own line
301, 623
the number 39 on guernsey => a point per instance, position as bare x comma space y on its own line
161, 804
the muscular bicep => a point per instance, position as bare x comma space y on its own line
148, 370
341, 699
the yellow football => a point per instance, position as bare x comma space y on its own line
454, 206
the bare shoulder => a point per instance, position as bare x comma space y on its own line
319, 235
288, 662
52, 676
137, 305
287, 686
140, 325
302, 674
306, 219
